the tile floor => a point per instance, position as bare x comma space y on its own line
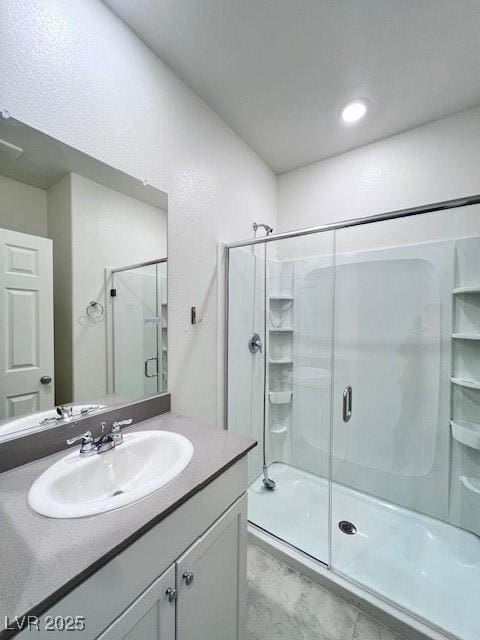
285, 605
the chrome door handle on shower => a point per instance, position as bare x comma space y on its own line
255, 343
151, 375
347, 403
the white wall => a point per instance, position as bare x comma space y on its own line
22, 207
74, 71
109, 229
435, 162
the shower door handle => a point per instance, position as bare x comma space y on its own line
151, 375
347, 403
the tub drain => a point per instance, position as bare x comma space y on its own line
347, 527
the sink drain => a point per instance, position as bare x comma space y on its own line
347, 527
117, 493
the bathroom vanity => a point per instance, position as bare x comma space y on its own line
172, 565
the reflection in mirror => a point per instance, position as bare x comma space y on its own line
83, 284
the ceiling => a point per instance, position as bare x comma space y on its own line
278, 71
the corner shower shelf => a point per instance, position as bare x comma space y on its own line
468, 433
472, 484
281, 298
280, 397
466, 336
470, 384
281, 329
278, 429
460, 290
281, 361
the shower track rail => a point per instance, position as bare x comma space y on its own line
434, 207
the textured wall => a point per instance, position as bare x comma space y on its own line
434, 162
74, 71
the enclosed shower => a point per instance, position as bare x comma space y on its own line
368, 387
139, 329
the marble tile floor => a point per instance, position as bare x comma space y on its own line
285, 605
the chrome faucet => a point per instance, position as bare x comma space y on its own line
91, 446
63, 412
116, 430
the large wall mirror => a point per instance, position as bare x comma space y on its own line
83, 284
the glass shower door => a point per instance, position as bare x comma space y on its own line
403, 325
140, 331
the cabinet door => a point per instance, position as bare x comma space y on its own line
211, 581
150, 617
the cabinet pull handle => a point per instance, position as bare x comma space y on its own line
171, 594
188, 577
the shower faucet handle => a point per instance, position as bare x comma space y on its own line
255, 343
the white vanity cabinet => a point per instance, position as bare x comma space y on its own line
183, 579
211, 581
208, 602
151, 616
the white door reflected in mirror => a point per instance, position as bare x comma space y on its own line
26, 344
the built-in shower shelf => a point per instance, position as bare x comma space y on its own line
282, 298
459, 290
472, 484
468, 433
278, 429
280, 397
281, 329
470, 384
281, 361
466, 336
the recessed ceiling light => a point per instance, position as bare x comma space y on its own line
354, 110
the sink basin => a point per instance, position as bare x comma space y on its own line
76, 486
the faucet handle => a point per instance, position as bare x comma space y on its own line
116, 430
122, 423
88, 443
86, 438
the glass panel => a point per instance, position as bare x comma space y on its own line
136, 327
246, 317
403, 483
288, 388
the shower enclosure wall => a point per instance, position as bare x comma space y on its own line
372, 403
